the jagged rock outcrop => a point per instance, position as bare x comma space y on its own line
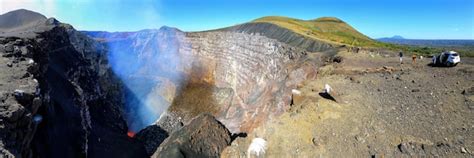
204, 136
152, 136
83, 92
59, 96
283, 35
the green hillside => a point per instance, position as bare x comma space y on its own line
334, 30
328, 29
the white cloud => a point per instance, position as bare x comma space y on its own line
45, 7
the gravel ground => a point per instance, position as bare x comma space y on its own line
382, 109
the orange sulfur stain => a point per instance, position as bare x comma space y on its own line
130, 134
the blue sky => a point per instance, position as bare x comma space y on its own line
420, 19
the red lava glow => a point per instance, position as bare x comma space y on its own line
130, 134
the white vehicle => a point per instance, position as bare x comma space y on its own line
450, 58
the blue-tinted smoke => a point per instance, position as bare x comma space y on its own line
150, 66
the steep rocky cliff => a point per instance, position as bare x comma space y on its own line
59, 96
247, 78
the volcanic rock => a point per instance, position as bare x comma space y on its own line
152, 136
468, 91
204, 136
337, 59
412, 148
169, 122
68, 83
9, 47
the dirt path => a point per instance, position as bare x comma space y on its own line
383, 109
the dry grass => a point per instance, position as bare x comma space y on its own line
325, 28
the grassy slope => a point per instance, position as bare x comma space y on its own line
334, 30
326, 29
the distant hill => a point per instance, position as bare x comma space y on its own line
431, 43
396, 37
104, 36
23, 23
325, 28
314, 35
429, 47
20, 19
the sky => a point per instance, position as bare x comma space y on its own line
414, 19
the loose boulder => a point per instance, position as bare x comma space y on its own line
151, 137
204, 136
468, 91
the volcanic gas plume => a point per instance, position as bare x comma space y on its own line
149, 65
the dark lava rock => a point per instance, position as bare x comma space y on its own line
411, 148
152, 136
204, 136
469, 91
81, 91
337, 59
23, 97
398, 77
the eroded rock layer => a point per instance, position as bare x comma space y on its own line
243, 79
283, 35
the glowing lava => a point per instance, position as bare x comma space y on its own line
130, 134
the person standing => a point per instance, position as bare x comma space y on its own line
401, 57
413, 57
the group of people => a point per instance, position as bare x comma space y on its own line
413, 57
